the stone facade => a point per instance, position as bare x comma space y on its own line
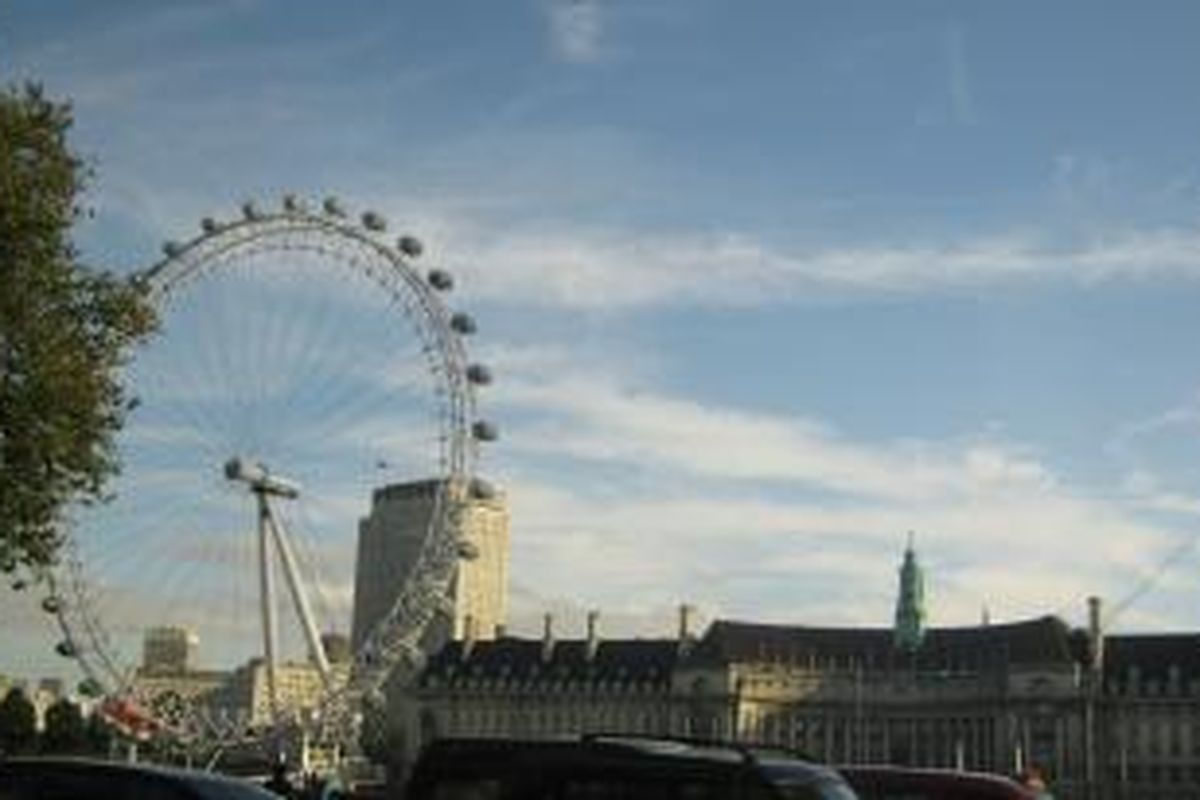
544, 688
986, 697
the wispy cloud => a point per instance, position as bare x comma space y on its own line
962, 101
677, 494
589, 268
576, 28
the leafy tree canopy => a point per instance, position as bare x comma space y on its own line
18, 727
65, 730
65, 331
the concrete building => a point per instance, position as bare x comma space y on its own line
168, 650
389, 541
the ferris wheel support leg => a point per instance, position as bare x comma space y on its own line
303, 610
267, 600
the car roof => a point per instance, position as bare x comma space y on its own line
486, 754
982, 785
196, 778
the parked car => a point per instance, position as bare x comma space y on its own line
35, 778
616, 767
906, 783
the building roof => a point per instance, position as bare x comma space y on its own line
1154, 656
511, 658
1042, 640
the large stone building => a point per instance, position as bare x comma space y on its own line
1106, 716
510, 687
1149, 714
389, 541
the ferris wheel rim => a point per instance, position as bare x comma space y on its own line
393, 639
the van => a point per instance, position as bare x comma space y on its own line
617, 767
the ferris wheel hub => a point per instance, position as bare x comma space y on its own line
259, 479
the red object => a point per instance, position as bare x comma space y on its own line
129, 718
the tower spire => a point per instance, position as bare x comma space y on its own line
909, 629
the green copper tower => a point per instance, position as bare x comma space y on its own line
910, 605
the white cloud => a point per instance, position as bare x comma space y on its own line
575, 28
654, 500
592, 418
590, 268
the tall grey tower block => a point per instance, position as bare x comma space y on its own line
389, 541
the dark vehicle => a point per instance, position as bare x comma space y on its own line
616, 768
81, 779
904, 783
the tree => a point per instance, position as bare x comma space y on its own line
65, 331
99, 734
64, 731
18, 726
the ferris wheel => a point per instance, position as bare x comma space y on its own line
303, 363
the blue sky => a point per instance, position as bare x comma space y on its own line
765, 286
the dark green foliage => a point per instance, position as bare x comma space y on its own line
65, 731
18, 731
65, 330
99, 734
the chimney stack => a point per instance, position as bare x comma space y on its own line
593, 636
547, 637
686, 637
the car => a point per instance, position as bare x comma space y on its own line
883, 782
616, 767
53, 778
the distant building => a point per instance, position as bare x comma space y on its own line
548, 687
168, 650
390, 539
244, 698
1148, 742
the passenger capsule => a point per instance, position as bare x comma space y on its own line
65, 649
467, 551
250, 211
90, 688
441, 280
172, 249
485, 431
51, 605
333, 208
209, 225
411, 246
19, 585
463, 323
374, 222
291, 204
479, 375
